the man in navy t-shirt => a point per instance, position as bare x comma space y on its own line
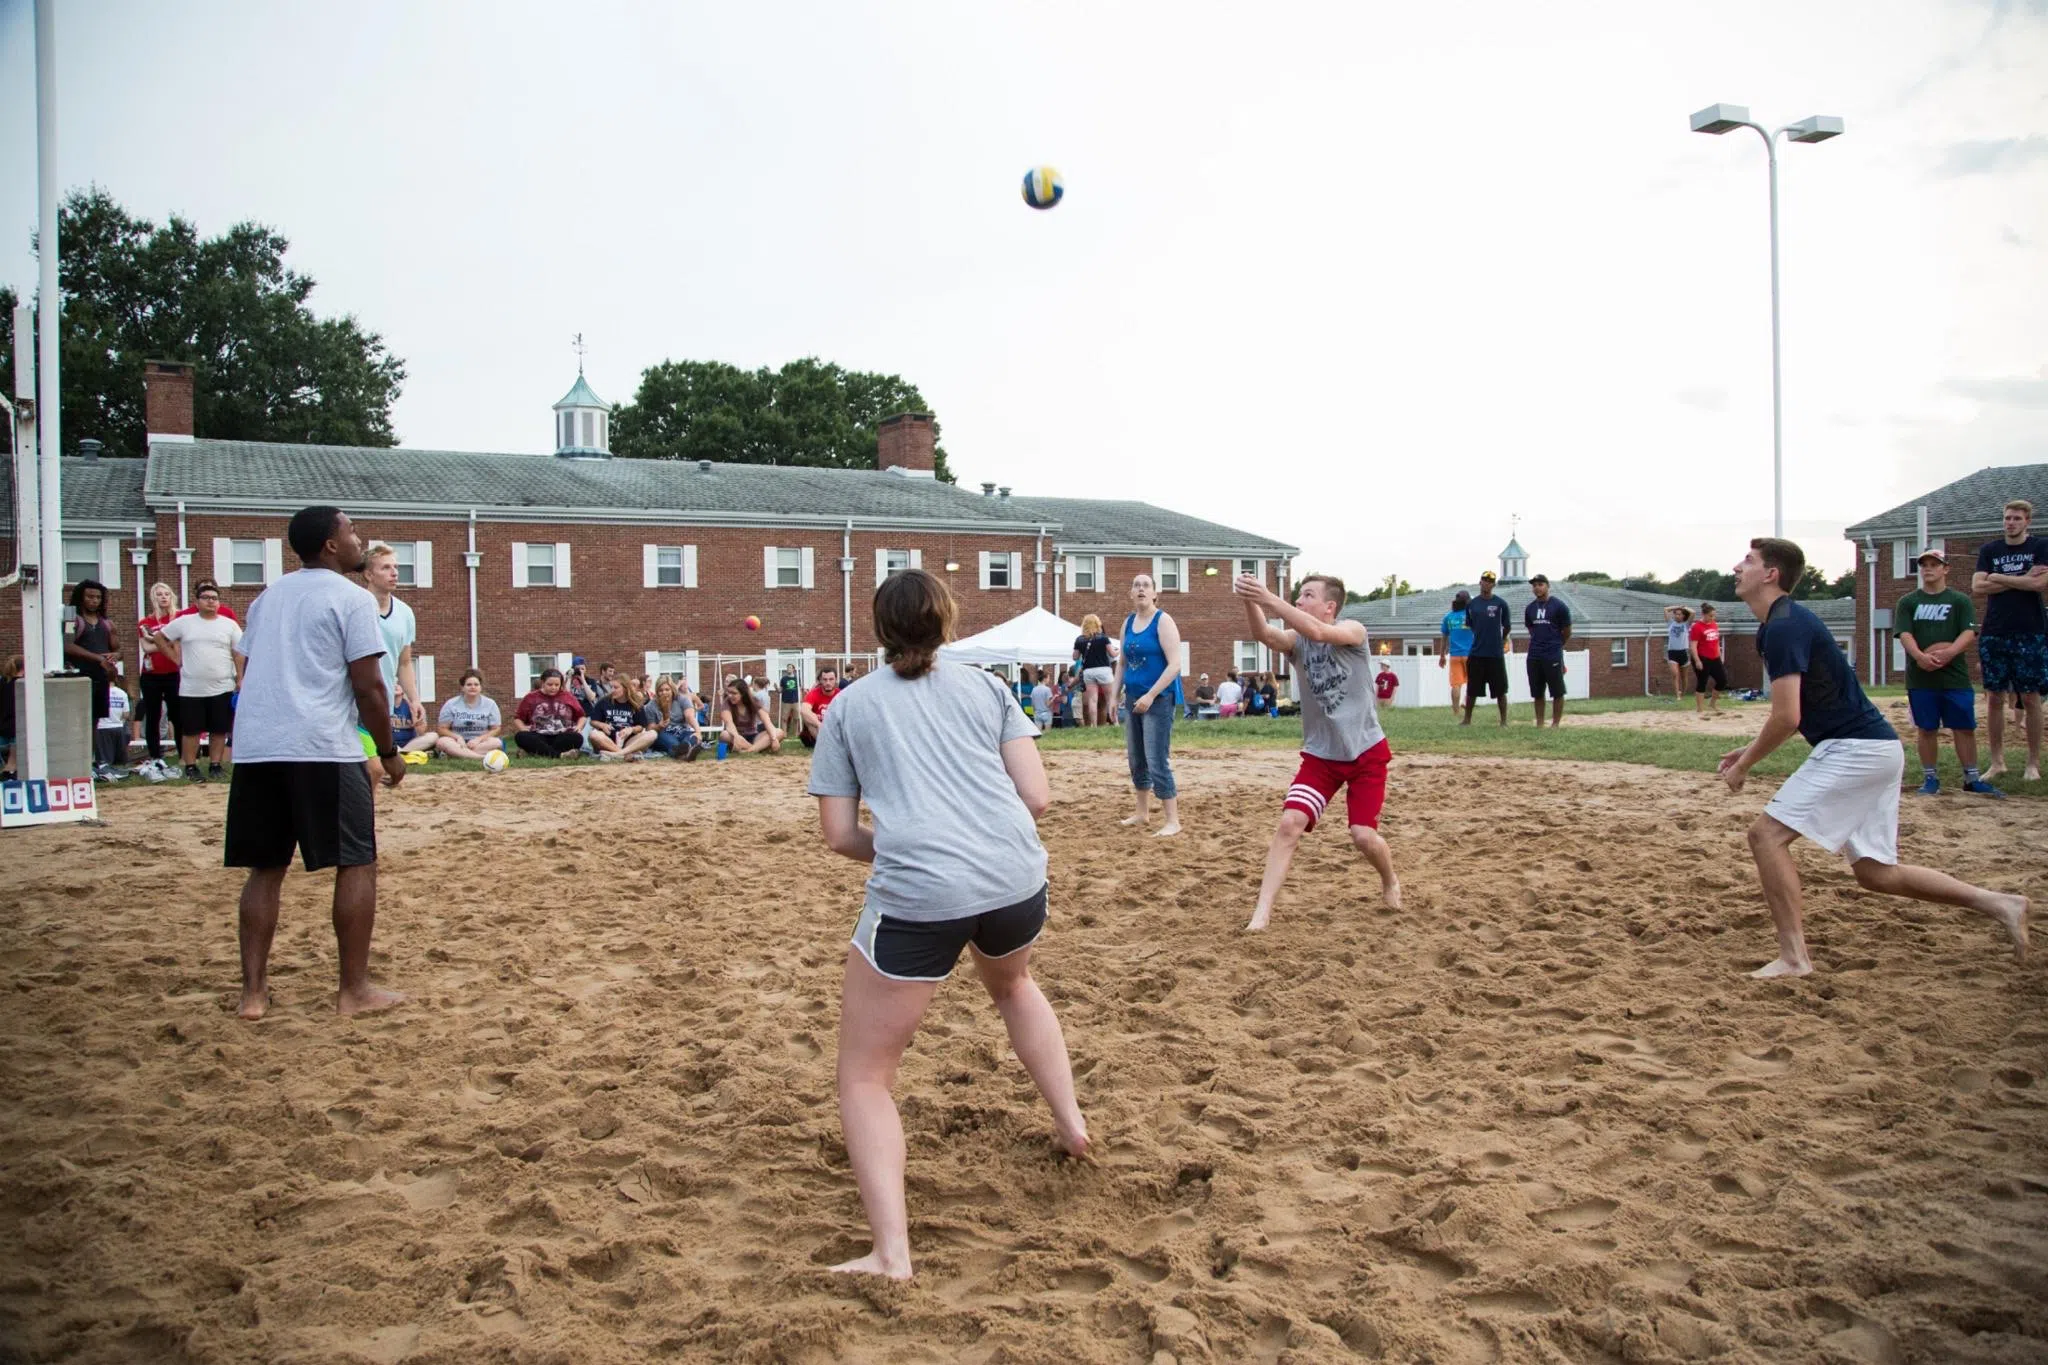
1486, 616
1549, 623
1845, 797
2012, 645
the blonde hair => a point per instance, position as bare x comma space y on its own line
378, 549
2021, 505
1091, 624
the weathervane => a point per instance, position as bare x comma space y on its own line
580, 348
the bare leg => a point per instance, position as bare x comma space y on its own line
1503, 710
1036, 1038
1143, 797
2031, 701
452, 747
1770, 843
1925, 884
1279, 857
257, 928
355, 916
1928, 742
877, 1017
1556, 712
1996, 768
1169, 806
1471, 695
1373, 845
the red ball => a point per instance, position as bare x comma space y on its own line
753, 623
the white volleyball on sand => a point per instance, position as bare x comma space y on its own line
496, 762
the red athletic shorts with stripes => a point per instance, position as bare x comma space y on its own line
1364, 780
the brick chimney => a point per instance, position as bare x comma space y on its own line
905, 444
167, 400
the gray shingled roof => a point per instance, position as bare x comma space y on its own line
1093, 521
1975, 502
1593, 608
100, 490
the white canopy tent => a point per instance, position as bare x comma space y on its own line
1036, 637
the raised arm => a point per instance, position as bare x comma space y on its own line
1299, 622
1253, 593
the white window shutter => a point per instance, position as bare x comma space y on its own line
423, 674
521, 663
1158, 571
1183, 658
985, 558
565, 660
690, 669
1101, 572
1073, 572
1016, 569
423, 565
110, 561
1899, 569
650, 664
1184, 584
767, 566
650, 566
810, 560
917, 559
518, 563
561, 563
273, 559
223, 561
881, 567
689, 566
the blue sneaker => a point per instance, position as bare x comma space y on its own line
1931, 786
1982, 788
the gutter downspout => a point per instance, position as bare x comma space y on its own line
1870, 558
139, 557
1038, 567
846, 596
184, 553
473, 560
1646, 667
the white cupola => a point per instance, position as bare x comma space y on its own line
1514, 563
583, 423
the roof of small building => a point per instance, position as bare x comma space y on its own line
582, 396
1109, 522
1975, 502
1594, 609
103, 491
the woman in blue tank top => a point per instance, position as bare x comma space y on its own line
1148, 675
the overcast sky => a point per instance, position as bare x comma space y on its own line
1368, 279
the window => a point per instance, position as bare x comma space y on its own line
415, 559
81, 559
1255, 567
668, 566
894, 562
1084, 573
789, 568
1000, 570
1170, 575
1249, 656
540, 566
590, 430
402, 556
245, 565
784, 566
526, 671
671, 664
1617, 652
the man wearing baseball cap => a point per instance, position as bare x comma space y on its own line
1936, 625
1486, 616
1549, 623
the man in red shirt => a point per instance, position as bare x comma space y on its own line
810, 712
1384, 682
1710, 675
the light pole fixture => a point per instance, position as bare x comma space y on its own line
1721, 118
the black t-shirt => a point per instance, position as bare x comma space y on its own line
620, 715
1831, 701
790, 689
2013, 611
1094, 651
1546, 622
1487, 618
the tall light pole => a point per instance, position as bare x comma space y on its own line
1718, 119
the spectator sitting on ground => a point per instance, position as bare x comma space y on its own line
810, 712
618, 729
1229, 696
1204, 698
1277, 705
411, 731
548, 722
745, 724
1254, 700
672, 715
469, 721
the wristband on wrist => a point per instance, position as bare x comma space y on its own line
387, 753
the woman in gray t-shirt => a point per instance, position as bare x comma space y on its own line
947, 764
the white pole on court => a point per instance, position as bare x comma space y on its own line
1715, 120
49, 304
33, 733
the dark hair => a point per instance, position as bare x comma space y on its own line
1788, 559
467, 674
311, 529
205, 586
78, 594
1462, 599
547, 673
1329, 581
914, 615
1706, 608
747, 702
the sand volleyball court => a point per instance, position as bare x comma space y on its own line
1540, 1115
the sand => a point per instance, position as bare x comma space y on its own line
1540, 1115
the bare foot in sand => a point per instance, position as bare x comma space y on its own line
873, 1264
1132, 820
365, 1000
254, 1003
1390, 895
1997, 769
2032, 774
1260, 919
2013, 915
1166, 831
1071, 1138
1783, 968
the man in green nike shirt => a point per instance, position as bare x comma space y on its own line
1935, 625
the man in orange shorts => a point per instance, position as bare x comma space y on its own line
1455, 646
1342, 744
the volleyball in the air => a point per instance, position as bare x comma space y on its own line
1043, 187
496, 762
752, 623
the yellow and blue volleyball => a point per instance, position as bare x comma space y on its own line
1043, 187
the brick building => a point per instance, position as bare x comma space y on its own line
1960, 517
1620, 631
516, 562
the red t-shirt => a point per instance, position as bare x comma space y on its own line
1384, 684
548, 715
1706, 638
154, 661
818, 699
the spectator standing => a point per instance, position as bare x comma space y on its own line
1936, 626
1678, 648
1486, 667
1098, 672
400, 629
2013, 648
158, 676
90, 648
1148, 673
203, 646
790, 691
1454, 644
1042, 701
1549, 623
811, 710
1385, 683
110, 736
548, 722
469, 721
1709, 674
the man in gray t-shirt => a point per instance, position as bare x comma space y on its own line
1342, 742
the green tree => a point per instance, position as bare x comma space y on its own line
1593, 576
1845, 586
809, 412
1707, 585
1385, 588
264, 367
1813, 583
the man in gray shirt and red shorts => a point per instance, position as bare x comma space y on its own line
1342, 743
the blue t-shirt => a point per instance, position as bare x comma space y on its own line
1546, 622
1831, 701
1488, 618
1455, 630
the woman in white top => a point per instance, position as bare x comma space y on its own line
944, 757
1677, 648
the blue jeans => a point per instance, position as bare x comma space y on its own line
673, 739
1148, 742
